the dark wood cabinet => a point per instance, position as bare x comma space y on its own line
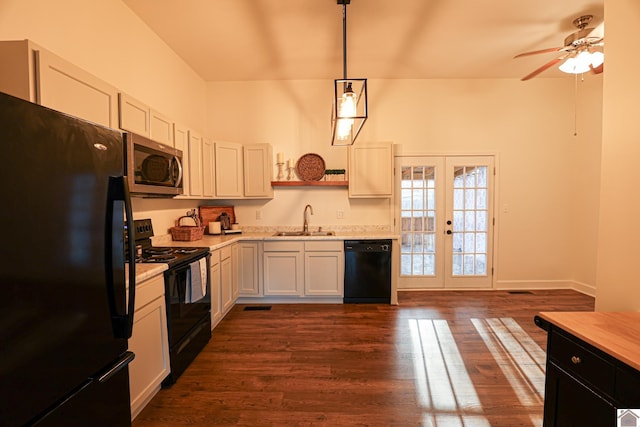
584, 385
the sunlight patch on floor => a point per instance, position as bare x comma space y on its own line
443, 385
521, 360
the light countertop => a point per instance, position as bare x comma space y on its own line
146, 271
615, 333
218, 241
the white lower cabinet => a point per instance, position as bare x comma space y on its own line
248, 269
323, 268
309, 269
216, 302
283, 268
149, 342
226, 279
235, 255
224, 288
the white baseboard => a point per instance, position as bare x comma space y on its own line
545, 284
289, 300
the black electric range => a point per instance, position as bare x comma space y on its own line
188, 319
171, 255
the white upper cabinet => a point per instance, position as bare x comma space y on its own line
137, 117
371, 170
195, 164
208, 158
229, 171
37, 75
181, 142
18, 70
258, 171
65, 87
134, 115
160, 128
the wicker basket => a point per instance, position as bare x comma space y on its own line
187, 233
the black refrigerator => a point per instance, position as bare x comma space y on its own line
65, 313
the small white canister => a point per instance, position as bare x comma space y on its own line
215, 227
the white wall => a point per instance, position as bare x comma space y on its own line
585, 184
105, 38
618, 286
547, 176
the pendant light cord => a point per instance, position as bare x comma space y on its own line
575, 106
344, 39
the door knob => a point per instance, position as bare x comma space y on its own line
449, 231
448, 222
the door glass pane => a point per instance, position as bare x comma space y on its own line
458, 199
444, 224
470, 220
418, 216
458, 220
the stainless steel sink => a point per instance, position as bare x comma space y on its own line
289, 233
321, 233
302, 233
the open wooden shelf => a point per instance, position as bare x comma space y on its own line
309, 183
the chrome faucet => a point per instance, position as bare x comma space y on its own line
305, 219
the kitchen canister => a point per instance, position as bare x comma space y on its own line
215, 227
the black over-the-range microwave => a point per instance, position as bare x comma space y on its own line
153, 169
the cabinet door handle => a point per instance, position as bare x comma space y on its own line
575, 360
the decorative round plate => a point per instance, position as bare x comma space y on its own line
310, 167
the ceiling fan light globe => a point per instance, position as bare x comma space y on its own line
597, 59
577, 65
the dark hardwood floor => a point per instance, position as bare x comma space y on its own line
439, 358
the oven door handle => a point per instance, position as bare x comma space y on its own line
119, 199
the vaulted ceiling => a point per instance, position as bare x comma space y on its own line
408, 39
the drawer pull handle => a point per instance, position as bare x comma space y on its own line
575, 360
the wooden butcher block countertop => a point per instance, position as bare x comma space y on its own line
615, 333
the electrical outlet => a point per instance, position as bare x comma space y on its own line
258, 214
340, 214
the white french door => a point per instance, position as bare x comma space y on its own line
444, 214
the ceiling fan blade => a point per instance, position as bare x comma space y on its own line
598, 69
535, 52
544, 67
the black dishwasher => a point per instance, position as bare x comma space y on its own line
367, 271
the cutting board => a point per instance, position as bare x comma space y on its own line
212, 213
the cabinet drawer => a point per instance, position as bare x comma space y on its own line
149, 290
225, 252
215, 257
287, 246
582, 361
324, 245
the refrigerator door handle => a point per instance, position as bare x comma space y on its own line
118, 194
123, 362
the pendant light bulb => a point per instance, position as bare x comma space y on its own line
346, 113
348, 103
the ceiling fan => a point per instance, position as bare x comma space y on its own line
580, 51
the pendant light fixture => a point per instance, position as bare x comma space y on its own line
349, 110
